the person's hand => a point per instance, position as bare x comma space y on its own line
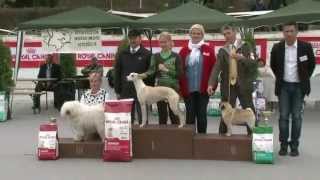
163, 68
236, 56
210, 90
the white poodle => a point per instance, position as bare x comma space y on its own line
85, 120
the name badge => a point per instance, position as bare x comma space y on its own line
303, 58
206, 54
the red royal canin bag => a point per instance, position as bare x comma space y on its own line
48, 148
118, 135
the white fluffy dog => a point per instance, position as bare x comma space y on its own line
148, 95
85, 120
232, 116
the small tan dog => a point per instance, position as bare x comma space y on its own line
232, 116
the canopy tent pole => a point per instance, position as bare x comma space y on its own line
149, 34
20, 42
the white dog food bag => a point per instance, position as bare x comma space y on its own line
262, 144
3, 106
118, 135
213, 108
48, 147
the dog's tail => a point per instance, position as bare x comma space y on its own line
249, 109
251, 122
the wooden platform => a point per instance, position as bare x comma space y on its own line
168, 142
162, 141
216, 147
68, 148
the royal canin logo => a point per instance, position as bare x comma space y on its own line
31, 50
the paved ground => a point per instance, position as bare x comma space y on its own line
18, 139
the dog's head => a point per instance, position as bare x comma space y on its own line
70, 109
225, 105
135, 76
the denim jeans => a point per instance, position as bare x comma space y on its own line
290, 104
196, 108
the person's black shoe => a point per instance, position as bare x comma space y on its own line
34, 108
294, 152
283, 151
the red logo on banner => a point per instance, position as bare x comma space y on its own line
30, 50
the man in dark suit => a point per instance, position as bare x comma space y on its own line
47, 70
292, 62
135, 58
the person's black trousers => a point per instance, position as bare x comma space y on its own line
163, 113
196, 110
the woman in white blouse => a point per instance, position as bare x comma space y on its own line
96, 94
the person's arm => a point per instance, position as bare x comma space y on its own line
150, 80
86, 70
247, 60
311, 60
117, 74
152, 68
215, 72
245, 56
59, 73
110, 77
40, 72
273, 60
178, 68
216, 69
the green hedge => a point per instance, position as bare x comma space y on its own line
68, 67
5, 68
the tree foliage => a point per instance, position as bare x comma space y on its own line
68, 67
5, 68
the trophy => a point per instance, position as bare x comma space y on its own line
266, 115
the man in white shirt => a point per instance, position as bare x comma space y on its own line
292, 62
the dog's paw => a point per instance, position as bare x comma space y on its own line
142, 125
78, 138
181, 125
228, 134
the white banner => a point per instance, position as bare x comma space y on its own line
71, 40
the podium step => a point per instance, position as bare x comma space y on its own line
162, 141
217, 147
73, 149
168, 142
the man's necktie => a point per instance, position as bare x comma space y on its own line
48, 73
233, 69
